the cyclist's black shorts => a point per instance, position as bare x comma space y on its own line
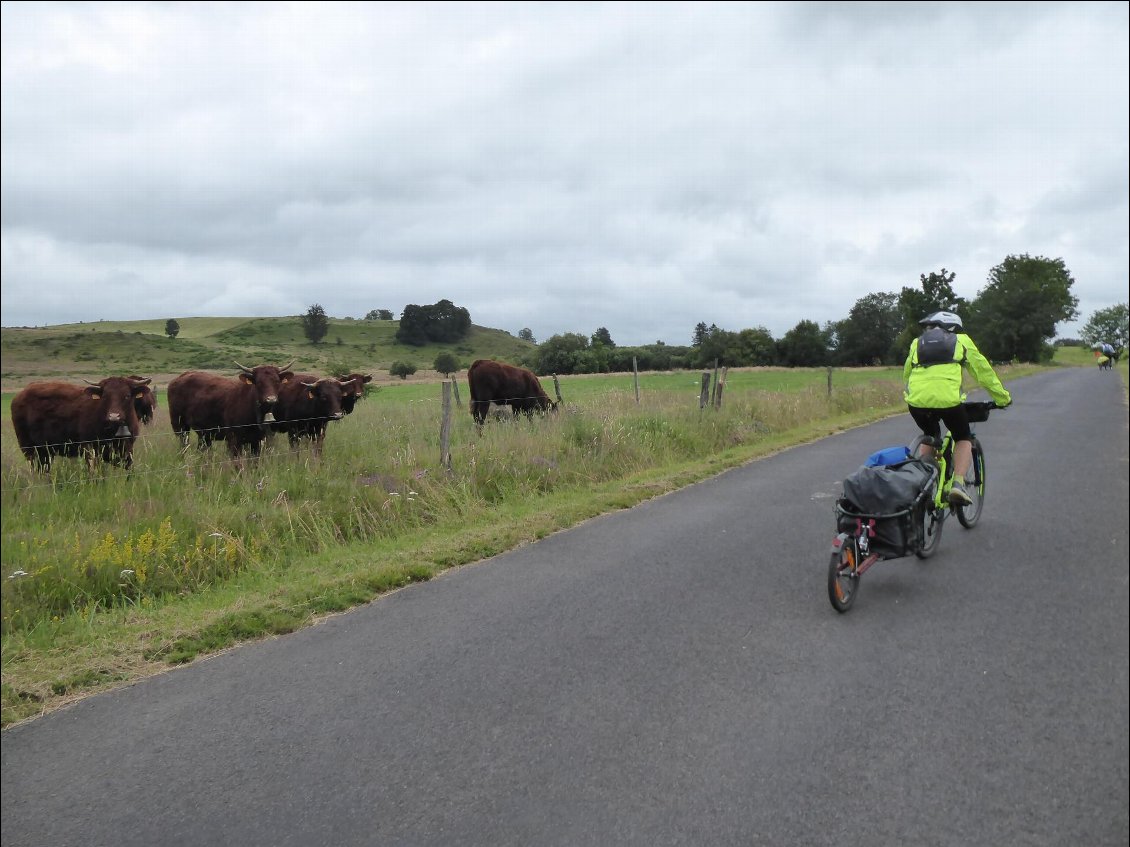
955, 418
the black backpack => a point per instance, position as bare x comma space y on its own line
936, 347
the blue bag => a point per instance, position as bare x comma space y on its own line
887, 456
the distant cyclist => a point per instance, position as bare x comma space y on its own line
932, 374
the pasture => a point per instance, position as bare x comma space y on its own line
109, 576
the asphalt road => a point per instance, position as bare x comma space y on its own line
670, 674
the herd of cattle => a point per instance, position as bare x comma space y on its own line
103, 419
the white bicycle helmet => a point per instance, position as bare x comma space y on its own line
949, 321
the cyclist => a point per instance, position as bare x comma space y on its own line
1108, 352
932, 373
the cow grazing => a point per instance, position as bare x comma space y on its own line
354, 390
238, 410
507, 385
306, 405
60, 419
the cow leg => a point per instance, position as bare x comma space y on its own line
479, 411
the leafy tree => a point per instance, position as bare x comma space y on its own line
413, 327
1015, 315
527, 334
602, 336
446, 364
172, 327
442, 321
379, 315
402, 369
315, 325
563, 354
803, 346
757, 347
1109, 325
867, 336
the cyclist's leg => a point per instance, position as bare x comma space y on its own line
930, 423
956, 420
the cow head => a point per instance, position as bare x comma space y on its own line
328, 396
354, 385
117, 396
266, 380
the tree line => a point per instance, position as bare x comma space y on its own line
1012, 318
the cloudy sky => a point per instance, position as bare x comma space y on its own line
563, 167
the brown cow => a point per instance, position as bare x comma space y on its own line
60, 419
508, 385
354, 390
306, 405
239, 410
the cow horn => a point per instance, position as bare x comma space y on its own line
88, 382
246, 370
286, 367
311, 384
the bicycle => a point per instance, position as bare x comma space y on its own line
866, 538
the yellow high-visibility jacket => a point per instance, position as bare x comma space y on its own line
939, 386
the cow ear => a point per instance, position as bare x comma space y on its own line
94, 392
285, 378
286, 375
245, 379
309, 395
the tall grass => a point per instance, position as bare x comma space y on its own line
85, 540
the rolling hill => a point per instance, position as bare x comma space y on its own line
102, 348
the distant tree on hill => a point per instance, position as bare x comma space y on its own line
446, 364
172, 327
527, 334
379, 315
315, 325
402, 369
442, 321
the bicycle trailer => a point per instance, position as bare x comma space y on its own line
888, 501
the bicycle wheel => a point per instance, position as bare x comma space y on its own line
843, 579
931, 529
975, 488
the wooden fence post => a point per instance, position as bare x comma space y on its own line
455, 389
636, 377
719, 388
829, 380
705, 394
557, 388
445, 430
714, 390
